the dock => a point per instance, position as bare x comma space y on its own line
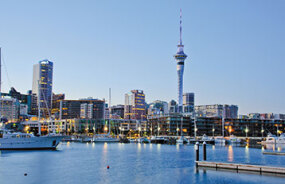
274, 153
242, 167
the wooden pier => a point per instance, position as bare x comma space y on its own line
242, 167
273, 153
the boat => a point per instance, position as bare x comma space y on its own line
273, 139
220, 140
102, 138
207, 139
281, 139
234, 140
27, 141
182, 140
158, 139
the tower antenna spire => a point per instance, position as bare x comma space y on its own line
180, 43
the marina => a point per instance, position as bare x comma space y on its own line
133, 163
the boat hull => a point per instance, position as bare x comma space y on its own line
32, 143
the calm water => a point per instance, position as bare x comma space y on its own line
130, 163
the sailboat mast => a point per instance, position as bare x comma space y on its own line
110, 110
39, 108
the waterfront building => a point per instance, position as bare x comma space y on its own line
117, 111
180, 57
217, 110
158, 107
170, 124
10, 108
70, 109
135, 106
42, 85
188, 103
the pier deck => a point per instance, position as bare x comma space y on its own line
242, 167
273, 153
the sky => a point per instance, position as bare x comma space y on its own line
235, 49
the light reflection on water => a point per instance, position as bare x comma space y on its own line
230, 153
131, 163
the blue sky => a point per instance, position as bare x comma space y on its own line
235, 49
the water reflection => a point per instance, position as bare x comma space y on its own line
230, 153
274, 147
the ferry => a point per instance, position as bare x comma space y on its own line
27, 141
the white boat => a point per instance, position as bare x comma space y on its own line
273, 139
102, 138
133, 140
206, 138
220, 140
27, 141
234, 140
182, 140
158, 139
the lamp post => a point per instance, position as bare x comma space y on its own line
246, 131
158, 129
262, 131
213, 130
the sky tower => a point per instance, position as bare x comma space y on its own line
180, 57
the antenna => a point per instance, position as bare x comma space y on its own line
180, 43
0, 73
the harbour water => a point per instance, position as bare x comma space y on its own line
131, 163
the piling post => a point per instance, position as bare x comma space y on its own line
197, 152
204, 151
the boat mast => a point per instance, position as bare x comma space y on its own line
39, 108
109, 111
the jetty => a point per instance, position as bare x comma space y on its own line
242, 167
274, 153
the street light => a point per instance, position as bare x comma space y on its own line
246, 130
213, 130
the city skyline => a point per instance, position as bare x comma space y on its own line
247, 73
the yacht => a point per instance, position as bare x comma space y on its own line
234, 140
27, 141
102, 138
182, 140
158, 139
208, 140
220, 140
273, 139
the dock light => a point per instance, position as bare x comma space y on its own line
262, 131
158, 128
140, 128
177, 129
196, 129
246, 130
213, 130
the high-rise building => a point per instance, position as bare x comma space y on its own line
188, 103
117, 112
42, 86
180, 57
172, 107
135, 106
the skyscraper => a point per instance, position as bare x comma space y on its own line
188, 102
42, 86
135, 107
180, 57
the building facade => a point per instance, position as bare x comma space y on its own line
135, 106
217, 110
188, 103
9, 109
84, 108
